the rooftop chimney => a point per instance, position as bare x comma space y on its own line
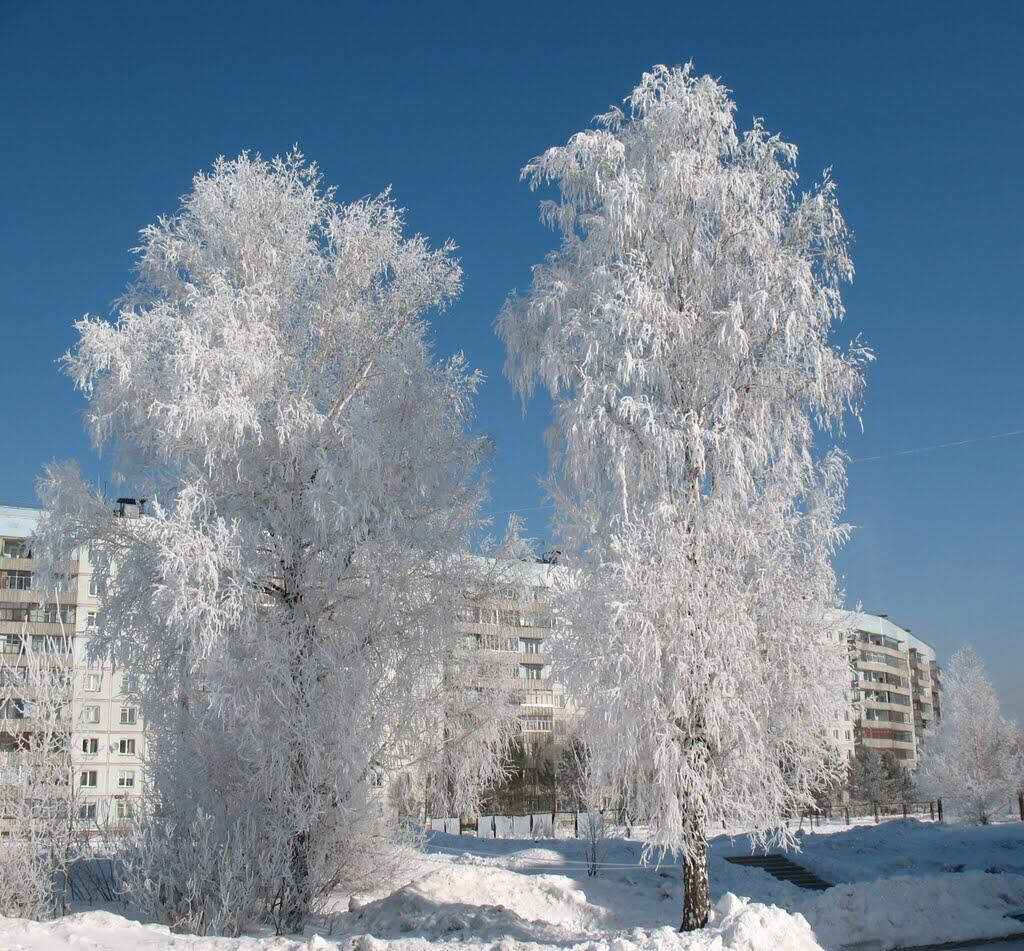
130, 508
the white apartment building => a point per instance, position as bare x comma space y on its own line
107, 739
898, 684
503, 644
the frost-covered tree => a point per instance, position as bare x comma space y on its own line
39, 824
285, 605
682, 329
972, 760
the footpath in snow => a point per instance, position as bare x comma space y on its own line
899, 884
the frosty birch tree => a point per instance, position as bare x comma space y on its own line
682, 328
286, 603
973, 759
39, 828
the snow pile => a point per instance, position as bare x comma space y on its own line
102, 931
736, 925
910, 847
895, 912
900, 884
481, 902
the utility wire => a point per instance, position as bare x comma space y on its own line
885, 455
941, 445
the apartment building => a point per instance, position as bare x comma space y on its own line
503, 646
107, 739
898, 683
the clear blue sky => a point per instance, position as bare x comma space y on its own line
109, 108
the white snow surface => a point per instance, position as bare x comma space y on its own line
898, 884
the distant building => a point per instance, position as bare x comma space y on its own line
503, 644
107, 738
898, 683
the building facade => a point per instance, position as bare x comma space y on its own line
898, 683
504, 644
107, 738
894, 694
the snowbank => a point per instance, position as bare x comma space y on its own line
737, 925
900, 883
102, 931
896, 912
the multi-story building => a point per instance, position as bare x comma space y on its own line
107, 739
897, 686
503, 644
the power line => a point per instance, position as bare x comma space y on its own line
529, 508
884, 455
941, 445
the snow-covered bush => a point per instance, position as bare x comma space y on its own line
682, 329
973, 759
284, 606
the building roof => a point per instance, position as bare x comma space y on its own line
17, 521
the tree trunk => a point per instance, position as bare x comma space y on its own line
696, 890
297, 899
297, 896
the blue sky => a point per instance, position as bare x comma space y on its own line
110, 108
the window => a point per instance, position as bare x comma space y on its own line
92, 683
87, 811
531, 671
52, 613
90, 619
16, 580
16, 548
11, 644
88, 778
51, 644
126, 779
537, 724
94, 587
124, 808
14, 611
90, 745
126, 747
129, 716
13, 708
91, 714
529, 645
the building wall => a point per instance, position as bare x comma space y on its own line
504, 643
107, 738
897, 686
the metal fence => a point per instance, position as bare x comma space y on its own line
569, 825
534, 825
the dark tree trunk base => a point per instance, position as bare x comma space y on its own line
696, 890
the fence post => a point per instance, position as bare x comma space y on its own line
1020, 804
938, 804
904, 810
877, 820
576, 825
846, 810
931, 810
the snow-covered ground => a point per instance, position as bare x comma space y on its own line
897, 884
